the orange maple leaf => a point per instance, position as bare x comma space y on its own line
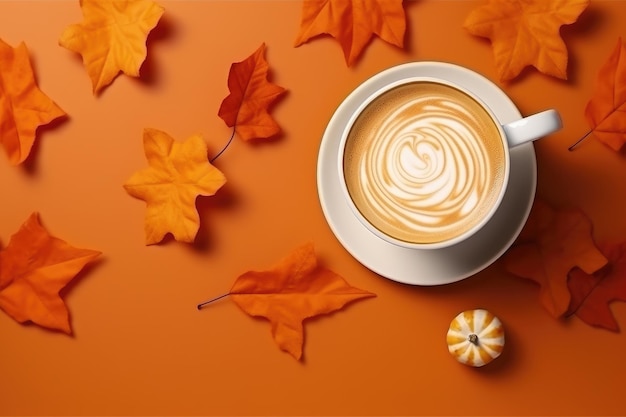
34, 267
606, 110
592, 294
297, 288
550, 245
23, 106
177, 174
112, 37
353, 23
526, 32
251, 94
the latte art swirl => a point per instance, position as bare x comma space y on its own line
425, 167
424, 162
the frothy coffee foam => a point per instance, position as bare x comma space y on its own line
424, 162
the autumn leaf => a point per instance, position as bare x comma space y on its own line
526, 32
606, 111
177, 174
23, 106
353, 23
251, 94
296, 289
112, 37
34, 267
592, 294
550, 245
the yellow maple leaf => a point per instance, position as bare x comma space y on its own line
112, 37
526, 32
177, 174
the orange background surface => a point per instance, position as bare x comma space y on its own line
140, 346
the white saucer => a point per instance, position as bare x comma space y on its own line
427, 267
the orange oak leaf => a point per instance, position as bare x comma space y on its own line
592, 294
177, 174
23, 106
606, 111
526, 32
251, 94
112, 37
296, 289
550, 245
34, 267
353, 23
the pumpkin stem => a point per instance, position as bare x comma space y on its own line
473, 339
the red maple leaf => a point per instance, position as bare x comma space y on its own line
593, 294
606, 110
251, 94
550, 245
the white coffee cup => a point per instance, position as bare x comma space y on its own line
424, 163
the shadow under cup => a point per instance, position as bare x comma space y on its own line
424, 164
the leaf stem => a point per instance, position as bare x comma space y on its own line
225, 146
202, 304
571, 148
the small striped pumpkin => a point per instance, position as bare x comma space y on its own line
475, 337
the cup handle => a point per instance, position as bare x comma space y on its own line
532, 127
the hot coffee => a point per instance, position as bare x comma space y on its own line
424, 162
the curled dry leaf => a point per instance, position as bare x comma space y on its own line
552, 243
593, 294
606, 110
177, 174
112, 37
23, 106
251, 94
34, 267
297, 288
526, 32
353, 23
